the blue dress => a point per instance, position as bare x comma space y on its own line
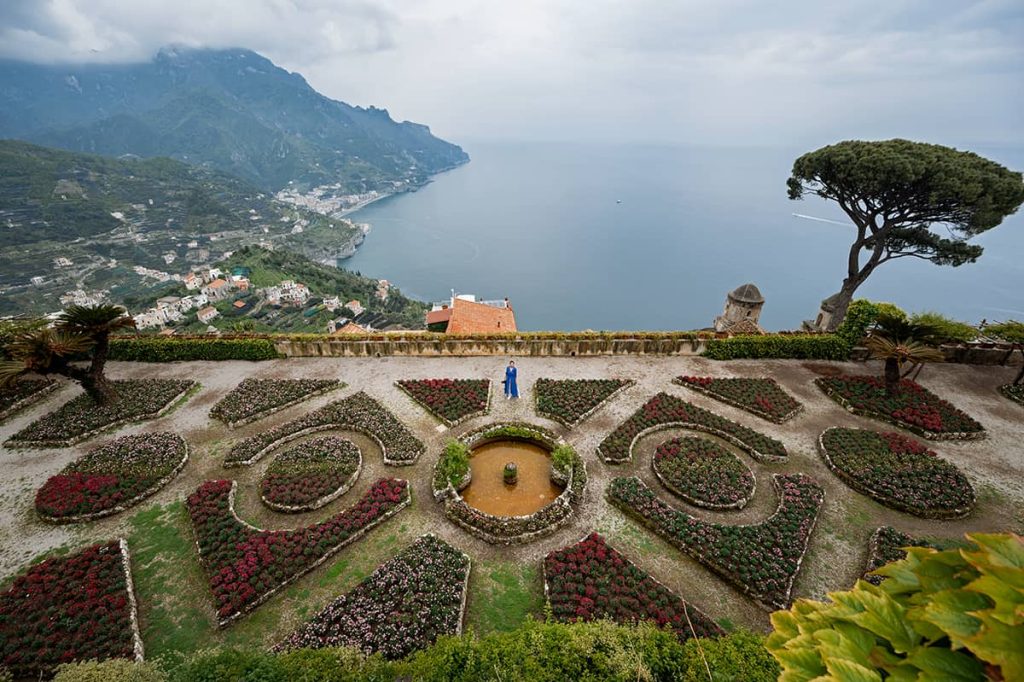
511, 389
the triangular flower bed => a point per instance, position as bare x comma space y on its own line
570, 401
665, 411
453, 401
358, 412
112, 478
763, 397
71, 608
247, 565
23, 393
254, 399
81, 418
590, 580
761, 560
886, 546
913, 407
897, 471
405, 605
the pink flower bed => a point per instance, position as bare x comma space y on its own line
763, 397
450, 400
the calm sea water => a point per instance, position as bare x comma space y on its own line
540, 224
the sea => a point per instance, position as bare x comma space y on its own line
613, 237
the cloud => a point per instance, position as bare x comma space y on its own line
678, 71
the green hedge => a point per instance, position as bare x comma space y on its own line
160, 349
782, 346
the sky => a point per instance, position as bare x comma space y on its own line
715, 72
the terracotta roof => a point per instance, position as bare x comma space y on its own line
217, 284
438, 316
477, 318
350, 328
748, 293
744, 326
239, 304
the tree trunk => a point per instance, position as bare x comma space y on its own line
98, 388
841, 302
1020, 374
892, 376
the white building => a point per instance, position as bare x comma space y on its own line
355, 306
62, 262
150, 318
206, 314
192, 282
332, 303
37, 281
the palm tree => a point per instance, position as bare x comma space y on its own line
52, 350
897, 342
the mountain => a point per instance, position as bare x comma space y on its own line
232, 110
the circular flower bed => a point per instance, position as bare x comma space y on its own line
703, 473
453, 401
898, 472
567, 469
570, 401
311, 475
112, 478
912, 407
763, 397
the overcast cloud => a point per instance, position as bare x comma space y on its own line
679, 71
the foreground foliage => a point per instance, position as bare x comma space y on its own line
67, 609
311, 475
256, 398
450, 400
886, 546
590, 580
246, 565
81, 417
761, 560
763, 397
570, 401
956, 614
112, 477
406, 604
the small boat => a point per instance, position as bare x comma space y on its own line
618, 201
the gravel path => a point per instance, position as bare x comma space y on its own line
838, 548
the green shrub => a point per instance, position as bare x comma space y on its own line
740, 656
859, 316
946, 329
779, 346
114, 670
160, 349
891, 310
454, 464
1011, 331
562, 457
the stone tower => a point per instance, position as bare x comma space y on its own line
742, 311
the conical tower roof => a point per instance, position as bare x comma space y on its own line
748, 293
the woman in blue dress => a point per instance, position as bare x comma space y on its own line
511, 388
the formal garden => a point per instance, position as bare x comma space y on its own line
387, 518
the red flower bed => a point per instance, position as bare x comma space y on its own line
761, 560
703, 473
664, 410
67, 609
246, 565
763, 397
450, 400
310, 475
913, 407
570, 401
897, 471
112, 477
405, 605
590, 580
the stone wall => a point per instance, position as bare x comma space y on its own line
535, 345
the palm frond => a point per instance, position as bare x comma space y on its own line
10, 370
94, 319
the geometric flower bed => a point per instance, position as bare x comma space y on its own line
703, 473
111, 478
897, 471
23, 393
570, 401
246, 565
886, 545
763, 397
590, 580
913, 407
761, 560
358, 412
311, 475
665, 411
254, 399
71, 608
451, 400
81, 418
1014, 392
405, 605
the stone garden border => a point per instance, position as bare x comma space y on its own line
586, 415
280, 408
460, 420
224, 622
321, 501
691, 426
723, 573
172, 404
871, 414
514, 530
1006, 390
884, 499
740, 406
132, 603
29, 400
738, 504
124, 506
